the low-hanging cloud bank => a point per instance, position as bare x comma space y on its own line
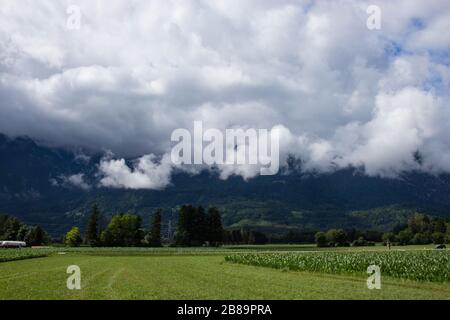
340, 94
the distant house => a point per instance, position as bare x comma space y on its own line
12, 244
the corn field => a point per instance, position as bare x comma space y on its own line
426, 265
21, 254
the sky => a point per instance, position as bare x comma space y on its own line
338, 93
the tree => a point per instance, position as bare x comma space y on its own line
37, 236
199, 228
236, 236
23, 233
438, 225
191, 230
447, 233
372, 235
92, 233
341, 237
353, 234
321, 239
214, 227
388, 237
153, 238
183, 235
419, 223
33, 236
421, 238
195, 227
73, 237
360, 242
438, 238
255, 237
404, 237
336, 237
124, 230
9, 228
12, 229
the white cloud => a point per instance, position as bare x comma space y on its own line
147, 173
76, 180
136, 70
403, 124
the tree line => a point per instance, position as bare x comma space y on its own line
13, 230
420, 230
203, 227
196, 227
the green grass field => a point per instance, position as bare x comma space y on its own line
170, 273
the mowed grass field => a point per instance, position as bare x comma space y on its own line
171, 273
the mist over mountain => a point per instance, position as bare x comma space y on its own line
55, 187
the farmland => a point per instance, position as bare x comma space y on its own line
21, 254
202, 273
415, 265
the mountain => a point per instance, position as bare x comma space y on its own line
35, 187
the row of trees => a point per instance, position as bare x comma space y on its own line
195, 228
346, 238
124, 230
12, 229
332, 238
420, 229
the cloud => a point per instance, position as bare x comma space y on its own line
76, 180
404, 123
147, 173
136, 70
